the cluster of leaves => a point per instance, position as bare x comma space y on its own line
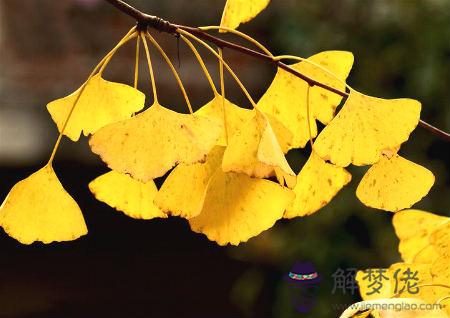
228, 173
425, 250
224, 156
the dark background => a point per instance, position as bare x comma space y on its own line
132, 268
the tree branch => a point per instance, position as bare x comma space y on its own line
145, 20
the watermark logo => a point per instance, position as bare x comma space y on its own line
404, 281
344, 281
303, 282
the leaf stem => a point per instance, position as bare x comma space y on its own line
222, 92
172, 68
136, 63
240, 34
440, 300
202, 64
308, 118
150, 69
209, 48
301, 59
130, 34
420, 286
110, 56
165, 26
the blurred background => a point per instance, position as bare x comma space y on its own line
132, 268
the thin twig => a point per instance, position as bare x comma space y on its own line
157, 23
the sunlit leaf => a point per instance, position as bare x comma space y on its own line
423, 236
366, 127
317, 183
255, 151
147, 145
440, 269
414, 228
285, 98
102, 102
238, 207
126, 194
393, 184
183, 191
284, 135
234, 116
241, 11
39, 209
440, 238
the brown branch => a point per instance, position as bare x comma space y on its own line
145, 20
443, 134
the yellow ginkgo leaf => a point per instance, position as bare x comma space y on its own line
317, 183
394, 184
241, 11
234, 116
426, 255
147, 145
39, 209
183, 191
126, 194
366, 127
286, 97
255, 151
238, 207
284, 135
440, 238
440, 271
414, 228
102, 102
440, 268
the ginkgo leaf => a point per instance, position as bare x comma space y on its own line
183, 191
241, 11
440, 269
286, 97
102, 102
427, 280
255, 151
393, 184
414, 228
39, 209
284, 136
317, 183
365, 127
427, 255
237, 207
440, 238
147, 145
126, 194
235, 116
